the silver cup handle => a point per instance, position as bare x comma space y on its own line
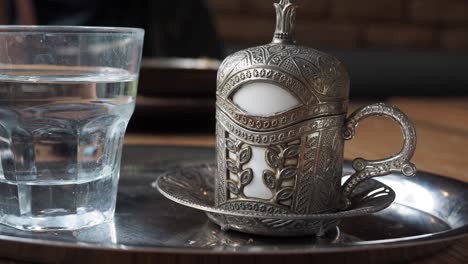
399, 163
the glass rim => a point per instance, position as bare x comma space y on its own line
78, 30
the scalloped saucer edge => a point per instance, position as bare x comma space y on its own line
193, 186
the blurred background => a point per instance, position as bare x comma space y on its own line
411, 48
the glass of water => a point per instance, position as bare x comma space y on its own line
66, 97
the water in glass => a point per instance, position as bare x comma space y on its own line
61, 132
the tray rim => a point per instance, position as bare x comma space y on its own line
451, 235
414, 241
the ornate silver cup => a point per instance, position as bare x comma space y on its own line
290, 160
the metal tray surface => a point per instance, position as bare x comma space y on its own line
429, 210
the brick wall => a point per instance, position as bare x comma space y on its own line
347, 24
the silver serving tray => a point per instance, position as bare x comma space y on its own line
430, 212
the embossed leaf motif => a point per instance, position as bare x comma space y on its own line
246, 176
232, 187
269, 178
291, 152
288, 173
245, 155
284, 194
272, 158
231, 145
231, 165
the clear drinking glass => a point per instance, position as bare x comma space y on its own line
66, 97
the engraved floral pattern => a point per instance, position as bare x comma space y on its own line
282, 160
243, 154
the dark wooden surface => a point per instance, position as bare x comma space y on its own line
442, 127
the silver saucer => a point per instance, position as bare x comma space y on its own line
429, 213
193, 186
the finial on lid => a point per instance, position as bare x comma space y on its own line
285, 21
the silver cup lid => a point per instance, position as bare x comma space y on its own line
318, 80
